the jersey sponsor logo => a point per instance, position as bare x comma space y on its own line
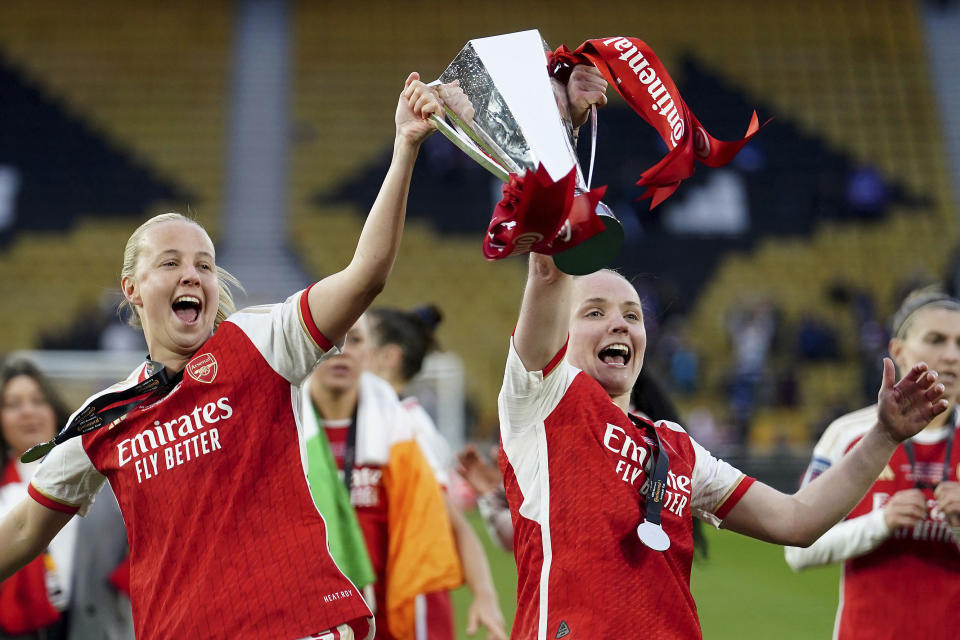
635, 462
663, 102
180, 440
365, 487
563, 630
203, 368
933, 528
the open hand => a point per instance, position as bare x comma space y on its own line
416, 104
908, 406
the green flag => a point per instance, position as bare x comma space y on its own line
344, 536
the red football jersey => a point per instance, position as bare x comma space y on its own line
575, 470
225, 540
907, 583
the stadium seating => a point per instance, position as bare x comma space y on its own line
847, 83
849, 75
140, 92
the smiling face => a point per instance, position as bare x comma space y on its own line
933, 336
26, 417
607, 336
341, 373
174, 290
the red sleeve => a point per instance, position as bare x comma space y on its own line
732, 498
306, 318
51, 503
557, 359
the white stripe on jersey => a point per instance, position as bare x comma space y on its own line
526, 400
541, 432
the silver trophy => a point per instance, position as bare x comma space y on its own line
519, 122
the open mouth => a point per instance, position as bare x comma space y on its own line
187, 308
615, 354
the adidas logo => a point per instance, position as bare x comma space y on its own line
563, 630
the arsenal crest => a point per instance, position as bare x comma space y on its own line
203, 368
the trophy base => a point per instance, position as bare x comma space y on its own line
594, 253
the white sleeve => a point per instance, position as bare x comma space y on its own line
286, 336
848, 539
66, 479
528, 397
713, 482
433, 445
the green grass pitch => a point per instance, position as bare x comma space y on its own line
743, 590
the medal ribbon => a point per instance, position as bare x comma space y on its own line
108, 409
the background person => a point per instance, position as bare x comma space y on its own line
66, 592
905, 530
400, 341
206, 465
357, 418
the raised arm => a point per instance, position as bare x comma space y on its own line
25, 532
799, 519
337, 301
544, 313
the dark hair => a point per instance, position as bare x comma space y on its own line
413, 331
915, 301
17, 368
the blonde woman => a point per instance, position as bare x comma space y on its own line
201, 443
906, 530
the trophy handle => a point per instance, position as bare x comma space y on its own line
467, 145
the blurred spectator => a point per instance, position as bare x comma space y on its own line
678, 357
65, 594
752, 329
816, 340
867, 192
366, 471
400, 341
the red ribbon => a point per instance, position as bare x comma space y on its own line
633, 69
538, 214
